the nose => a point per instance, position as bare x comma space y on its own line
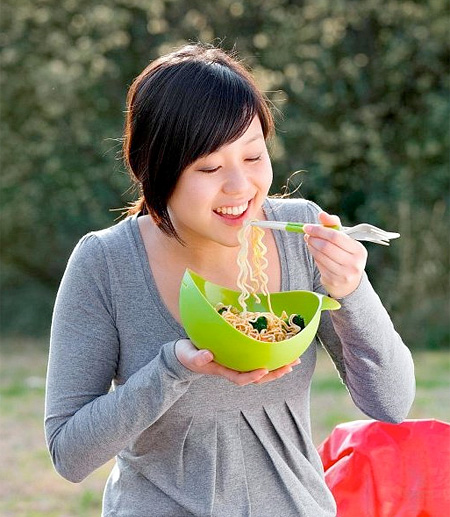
235, 182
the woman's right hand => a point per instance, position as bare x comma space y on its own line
202, 361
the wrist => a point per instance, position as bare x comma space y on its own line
338, 293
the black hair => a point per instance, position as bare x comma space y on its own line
185, 105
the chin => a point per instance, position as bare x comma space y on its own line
229, 241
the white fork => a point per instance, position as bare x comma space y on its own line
368, 232
360, 232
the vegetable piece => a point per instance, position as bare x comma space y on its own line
296, 319
260, 323
299, 321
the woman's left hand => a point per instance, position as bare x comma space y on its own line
340, 259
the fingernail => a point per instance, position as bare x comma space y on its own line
206, 354
307, 228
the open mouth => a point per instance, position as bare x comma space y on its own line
232, 212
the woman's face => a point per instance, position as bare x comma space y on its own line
218, 192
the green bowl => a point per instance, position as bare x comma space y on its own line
207, 329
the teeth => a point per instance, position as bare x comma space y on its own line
232, 210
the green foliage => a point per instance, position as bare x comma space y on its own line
362, 85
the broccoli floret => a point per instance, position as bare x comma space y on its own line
296, 320
299, 321
260, 323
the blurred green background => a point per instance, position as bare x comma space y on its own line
364, 91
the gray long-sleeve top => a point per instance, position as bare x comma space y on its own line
192, 444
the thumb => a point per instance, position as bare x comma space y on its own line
329, 220
202, 357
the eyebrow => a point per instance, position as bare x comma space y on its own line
249, 141
253, 138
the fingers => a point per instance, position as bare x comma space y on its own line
241, 378
332, 238
275, 374
201, 358
340, 259
202, 361
334, 252
256, 376
329, 220
191, 357
278, 373
328, 248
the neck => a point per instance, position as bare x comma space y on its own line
207, 259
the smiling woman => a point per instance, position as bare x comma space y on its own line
189, 435
215, 105
233, 184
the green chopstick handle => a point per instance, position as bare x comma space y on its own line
298, 227
295, 227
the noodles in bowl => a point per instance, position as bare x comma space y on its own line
262, 326
252, 279
237, 348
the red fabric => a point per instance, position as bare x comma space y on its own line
375, 469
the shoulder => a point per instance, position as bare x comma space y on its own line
292, 209
94, 248
114, 236
91, 268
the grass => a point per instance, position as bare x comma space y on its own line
331, 404
29, 486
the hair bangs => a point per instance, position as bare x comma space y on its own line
221, 108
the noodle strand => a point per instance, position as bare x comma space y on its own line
263, 326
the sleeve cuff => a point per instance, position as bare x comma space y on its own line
360, 292
174, 366
363, 299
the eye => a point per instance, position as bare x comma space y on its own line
254, 158
209, 170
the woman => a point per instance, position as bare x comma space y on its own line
192, 437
